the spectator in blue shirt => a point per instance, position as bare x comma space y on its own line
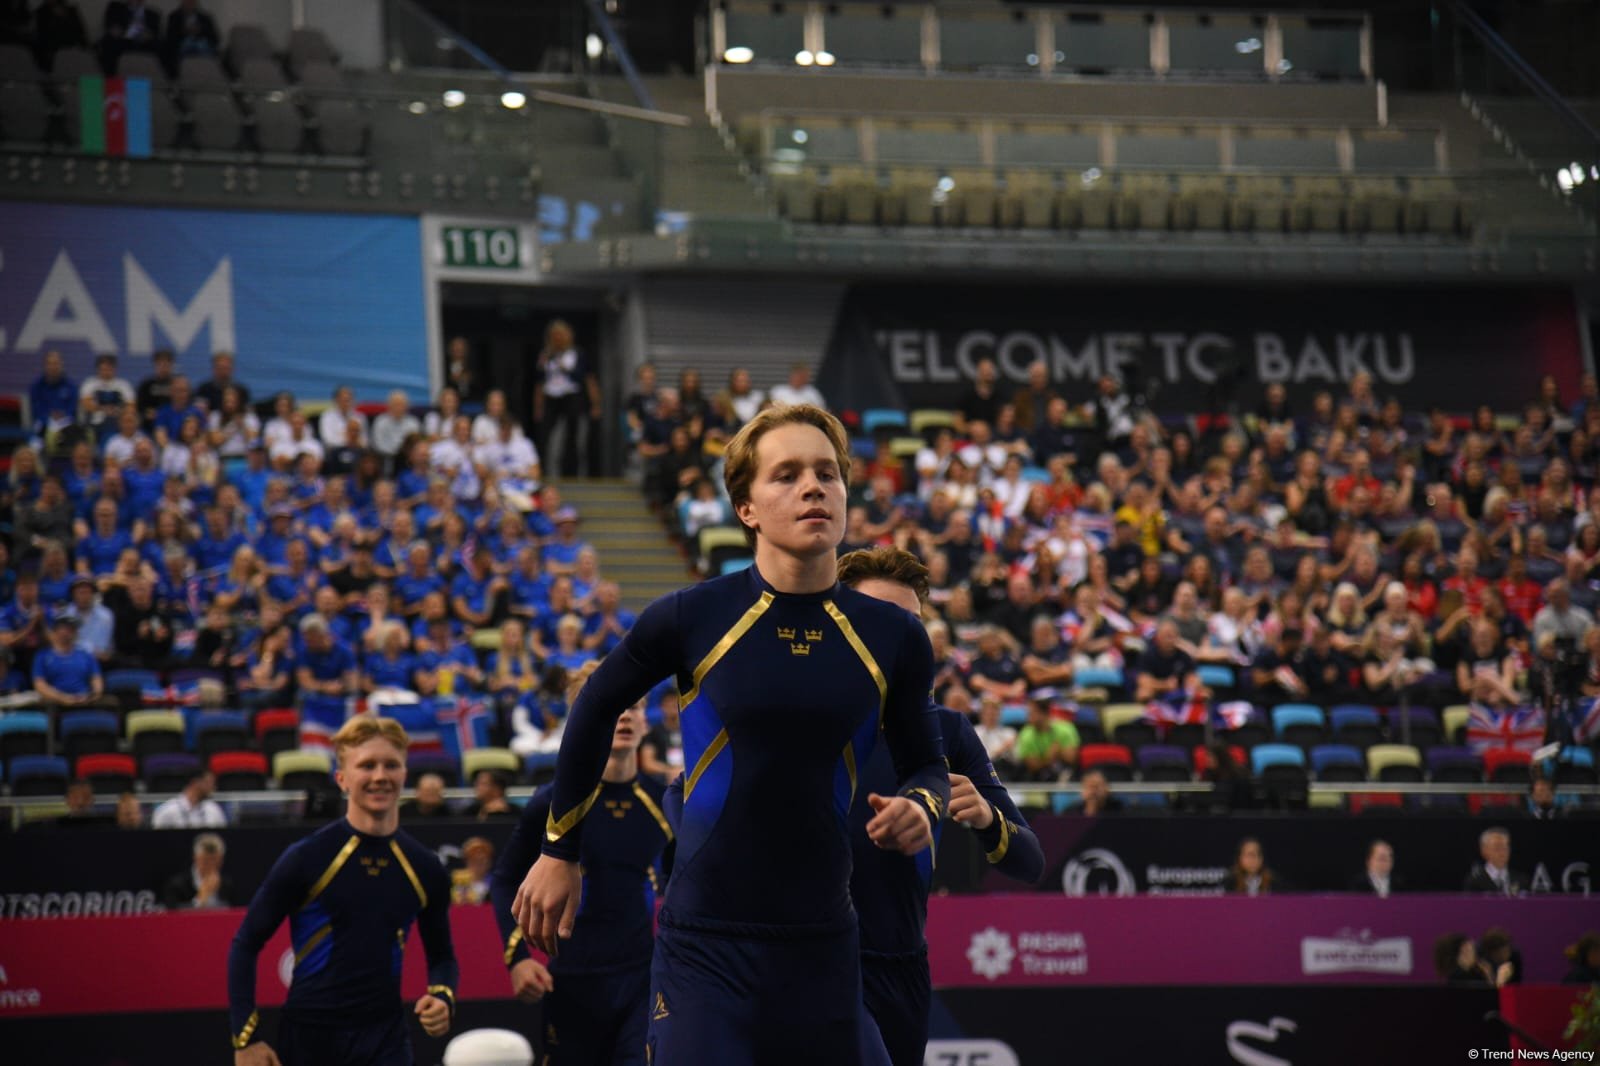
605, 628
475, 594
179, 406
96, 624
103, 396
52, 399
216, 547
419, 579
447, 667
252, 480
392, 666
22, 630
326, 676
81, 479
561, 552
55, 578
569, 651
143, 477
63, 673
528, 584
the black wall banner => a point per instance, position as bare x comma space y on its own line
1127, 854
97, 869
1198, 348
106, 871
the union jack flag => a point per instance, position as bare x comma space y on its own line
1511, 728
1231, 714
1176, 708
1585, 721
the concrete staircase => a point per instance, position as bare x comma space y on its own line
634, 548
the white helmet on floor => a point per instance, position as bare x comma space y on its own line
489, 1047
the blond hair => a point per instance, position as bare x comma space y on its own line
364, 727
739, 458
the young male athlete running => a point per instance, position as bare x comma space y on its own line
787, 681
350, 891
890, 890
597, 991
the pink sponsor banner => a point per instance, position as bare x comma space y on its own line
1034, 940
178, 960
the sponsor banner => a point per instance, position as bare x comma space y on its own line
307, 301
1127, 854
1017, 941
1028, 940
1196, 348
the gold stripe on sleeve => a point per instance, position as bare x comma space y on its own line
850, 767
511, 945
1005, 839
555, 829
242, 1041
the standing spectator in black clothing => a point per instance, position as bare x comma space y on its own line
566, 402
210, 392
982, 402
57, 24
155, 391
130, 26
1113, 412
190, 32
458, 369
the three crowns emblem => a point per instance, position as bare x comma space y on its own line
787, 633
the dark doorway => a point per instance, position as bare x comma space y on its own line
504, 327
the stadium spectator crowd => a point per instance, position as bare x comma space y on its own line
280, 555
1083, 549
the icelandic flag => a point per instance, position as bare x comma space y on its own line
463, 723
114, 116
1176, 708
1513, 728
1586, 721
420, 722
183, 694
1231, 714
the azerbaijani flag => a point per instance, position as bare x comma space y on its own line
114, 116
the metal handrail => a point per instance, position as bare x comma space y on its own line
1523, 70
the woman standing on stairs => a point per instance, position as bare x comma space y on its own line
566, 401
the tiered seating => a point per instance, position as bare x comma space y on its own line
257, 97
1129, 175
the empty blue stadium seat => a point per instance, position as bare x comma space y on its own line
1098, 677
1015, 716
1214, 675
23, 733
131, 680
1326, 755
1354, 714
169, 771
38, 775
1265, 755
877, 418
1285, 715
